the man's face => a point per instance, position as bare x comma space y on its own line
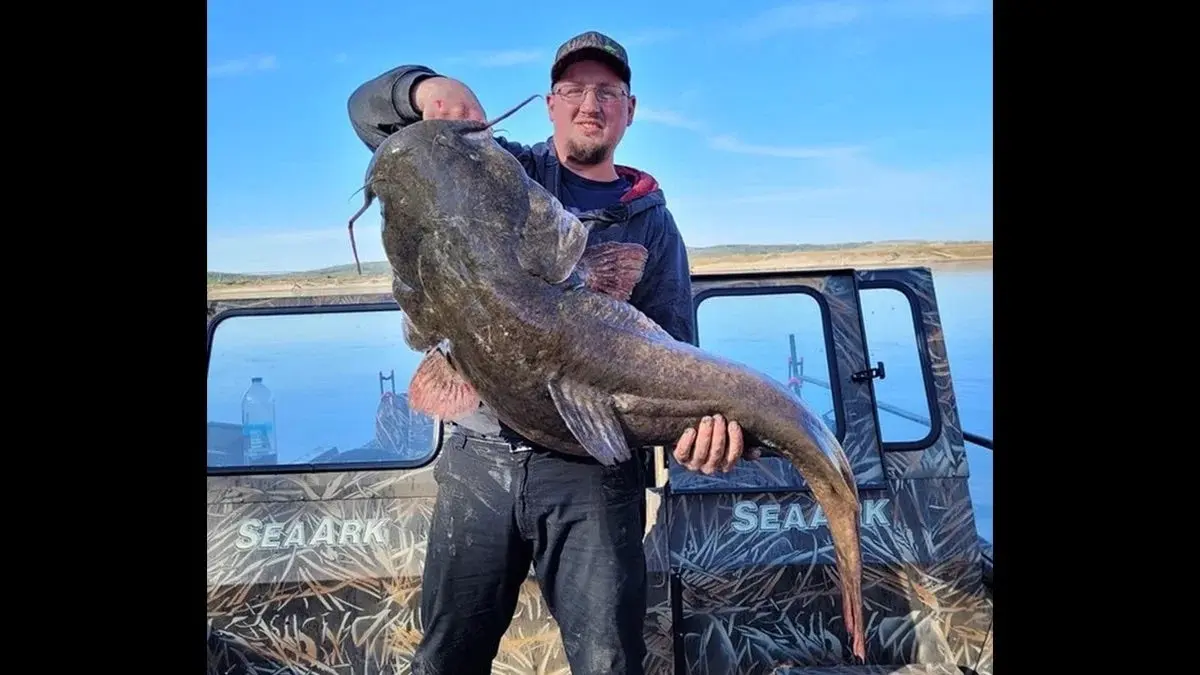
589, 128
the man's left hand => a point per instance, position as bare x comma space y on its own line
711, 445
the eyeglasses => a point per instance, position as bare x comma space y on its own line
574, 93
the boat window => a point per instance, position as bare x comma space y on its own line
904, 406
781, 335
320, 388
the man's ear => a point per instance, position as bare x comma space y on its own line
632, 108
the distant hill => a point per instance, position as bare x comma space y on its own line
724, 251
368, 269
696, 254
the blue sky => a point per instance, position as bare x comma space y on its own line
765, 122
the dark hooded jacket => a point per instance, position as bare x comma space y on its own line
384, 105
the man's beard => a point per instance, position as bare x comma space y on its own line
587, 153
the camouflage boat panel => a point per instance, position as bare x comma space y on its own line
321, 572
658, 629
324, 486
759, 584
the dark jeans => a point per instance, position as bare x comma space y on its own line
500, 508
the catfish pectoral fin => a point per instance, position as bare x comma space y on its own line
551, 237
439, 390
613, 268
589, 414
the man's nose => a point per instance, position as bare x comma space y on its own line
589, 102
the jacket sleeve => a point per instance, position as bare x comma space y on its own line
383, 105
665, 292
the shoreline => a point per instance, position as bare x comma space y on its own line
937, 256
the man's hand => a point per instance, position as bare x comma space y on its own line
711, 445
447, 99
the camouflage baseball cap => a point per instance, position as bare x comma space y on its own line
591, 45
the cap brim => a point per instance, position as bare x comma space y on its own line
590, 53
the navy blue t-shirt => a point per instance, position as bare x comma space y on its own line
581, 194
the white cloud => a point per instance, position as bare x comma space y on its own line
499, 59
729, 143
243, 66
798, 16
828, 14
668, 118
649, 37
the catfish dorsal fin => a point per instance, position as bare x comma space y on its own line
613, 268
438, 390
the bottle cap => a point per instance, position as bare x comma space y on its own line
255, 380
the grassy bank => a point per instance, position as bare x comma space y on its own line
734, 258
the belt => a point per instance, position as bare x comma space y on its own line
507, 437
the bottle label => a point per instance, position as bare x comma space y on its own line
258, 439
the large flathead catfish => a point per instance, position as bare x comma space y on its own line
511, 309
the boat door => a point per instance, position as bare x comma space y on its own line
315, 553
752, 578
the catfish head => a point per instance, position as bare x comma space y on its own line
448, 179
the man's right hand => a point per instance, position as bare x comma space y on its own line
446, 98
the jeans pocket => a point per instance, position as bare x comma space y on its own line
452, 445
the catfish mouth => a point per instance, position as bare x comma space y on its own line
476, 132
467, 127
467, 141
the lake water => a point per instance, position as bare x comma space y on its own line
324, 370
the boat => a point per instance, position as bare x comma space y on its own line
314, 565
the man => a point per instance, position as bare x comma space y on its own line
503, 502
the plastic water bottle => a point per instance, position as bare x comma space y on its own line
258, 424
